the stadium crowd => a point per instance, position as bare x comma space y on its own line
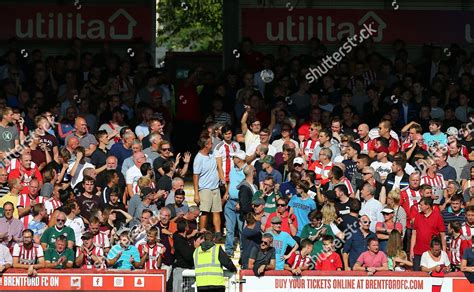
370, 168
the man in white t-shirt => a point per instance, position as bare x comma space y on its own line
382, 166
263, 141
134, 173
285, 136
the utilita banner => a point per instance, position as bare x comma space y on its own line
65, 22
275, 25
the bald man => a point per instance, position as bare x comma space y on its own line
26, 173
366, 144
134, 173
88, 141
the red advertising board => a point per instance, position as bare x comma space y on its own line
83, 280
65, 22
278, 25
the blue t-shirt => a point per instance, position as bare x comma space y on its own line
121, 153
469, 256
302, 208
429, 138
206, 168
123, 263
280, 243
236, 176
37, 227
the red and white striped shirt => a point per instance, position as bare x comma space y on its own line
467, 231
296, 260
455, 250
224, 151
101, 240
321, 172
308, 147
408, 198
437, 183
88, 262
348, 184
27, 256
24, 202
51, 205
153, 254
365, 147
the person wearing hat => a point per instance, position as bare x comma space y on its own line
268, 170
383, 228
124, 255
89, 256
382, 165
232, 208
281, 240
149, 196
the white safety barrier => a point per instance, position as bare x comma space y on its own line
189, 285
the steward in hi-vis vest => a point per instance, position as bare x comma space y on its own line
208, 262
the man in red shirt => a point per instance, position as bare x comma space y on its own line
26, 173
329, 260
301, 260
289, 223
427, 223
384, 131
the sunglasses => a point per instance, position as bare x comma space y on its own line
165, 149
265, 242
365, 222
366, 173
298, 165
277, 223
60, 220
281, 205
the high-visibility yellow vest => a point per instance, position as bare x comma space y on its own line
208, 268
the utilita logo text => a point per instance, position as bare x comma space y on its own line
73, 25
303, 28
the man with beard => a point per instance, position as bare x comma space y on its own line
89, 256
28, 255
59, 257
124, 256
52, 233
151, 251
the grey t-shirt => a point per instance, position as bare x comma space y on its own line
8, 135
261, 258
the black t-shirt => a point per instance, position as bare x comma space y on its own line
343, 208
87, 204
99, 157
469, 144
157, 164
164, 183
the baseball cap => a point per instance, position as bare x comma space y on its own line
387, 210
240, 154
87, 235
298, 160
258, 202
452, 131
268, 159
276, 219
